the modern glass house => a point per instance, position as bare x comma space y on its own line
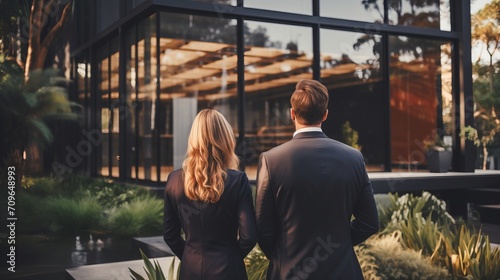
398, 73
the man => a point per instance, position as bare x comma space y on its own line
308, 190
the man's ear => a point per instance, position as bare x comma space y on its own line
325, 116
292, 114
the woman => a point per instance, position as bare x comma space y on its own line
212, 203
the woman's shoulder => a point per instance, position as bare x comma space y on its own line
173, 179
232, 173
174, 175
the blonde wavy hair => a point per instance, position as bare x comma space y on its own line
210, 153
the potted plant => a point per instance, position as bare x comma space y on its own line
438, 155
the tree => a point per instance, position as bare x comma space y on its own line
28, 30
41, 35
486, 30
24, 106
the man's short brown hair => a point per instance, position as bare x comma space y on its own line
310, 102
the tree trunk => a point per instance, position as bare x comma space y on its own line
485, 156
38, 47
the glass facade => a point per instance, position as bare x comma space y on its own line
421, 97
428, 14
276, 57
290, 6
351, 70
142, 84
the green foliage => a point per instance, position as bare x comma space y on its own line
153, 272
32, 210
142, 216
24, 105
256, 264
409, 206
73, 215
423, 225
82, 203
471, 254
350, 136
383, 257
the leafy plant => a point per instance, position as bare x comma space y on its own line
435, 144
488, 133
142, 216
471, 255
153, 271
383, 257
424, 226
24, 105
350, 136
73, 215
408, 206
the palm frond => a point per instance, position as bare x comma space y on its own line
40, 129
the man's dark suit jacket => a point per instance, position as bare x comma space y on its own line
212, 249
308, 189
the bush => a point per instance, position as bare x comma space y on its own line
142, 216
73, 215
77, 203
383, 257
408, 206
470, 254
32, 210
424, 226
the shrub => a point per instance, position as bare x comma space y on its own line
383, 257
42, 187
73, 215
470, 254
450, 244
32, 210
141, 216
407, 206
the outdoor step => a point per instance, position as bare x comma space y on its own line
116, 270
489, 213
485, 196
153, 246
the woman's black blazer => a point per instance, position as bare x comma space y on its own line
218, 236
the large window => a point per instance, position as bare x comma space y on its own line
421, 97
276, 58
108, 57
389, 91
290, 6
189, 64
353, 10
428, 14
351, 70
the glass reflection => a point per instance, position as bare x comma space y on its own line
196, 59
290, 6
421, 98
369, 11
108, 89
428, 13
104, 96
350, 69
276, 58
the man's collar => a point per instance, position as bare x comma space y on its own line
307, 129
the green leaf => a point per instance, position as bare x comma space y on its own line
135, 275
